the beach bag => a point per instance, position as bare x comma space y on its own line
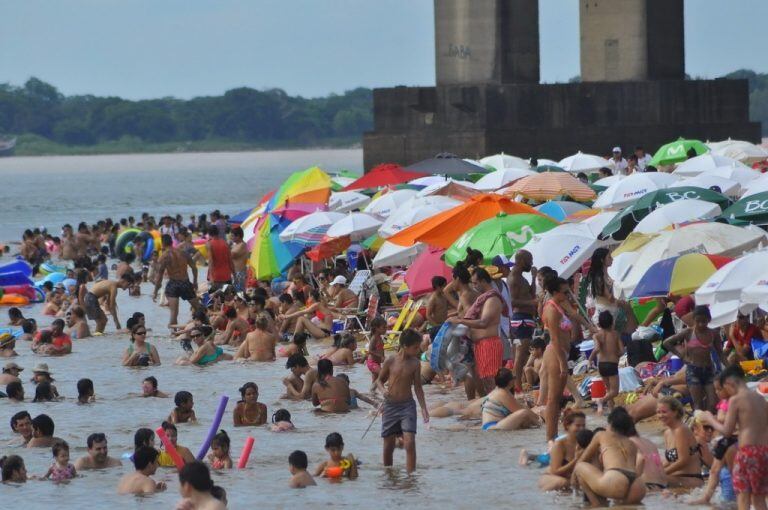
759, 348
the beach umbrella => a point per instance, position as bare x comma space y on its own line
677, 151
756, 293
411, 216
746, 152
345, 201
608, 181
551, 185
559, 209
428, 180
581, 162
388, 203
343, 178
632, 188
450, 187
310, 230
328, 249
727, 283
390, 254
549, 167
752, 209
715, 146
710, 238
445, 163
759, 185
240, 217
427, 265
704, 164
678, 276
563, 252
387, 174
499, 178
736, 172
444, 228
675, 213
504, 161
503, 234
356, 226
709, 181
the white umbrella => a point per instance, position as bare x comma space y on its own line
710, 238
724, 313
708, 181
345, 201
727, 283
703, 164
565, 253
716, 146
497, 179
437, 186
502, 161
388, 203
610, 180
745, 152
759, 185
428, 180
591, 227
628, 190
581, 162
355, 225
391, 254
756, 294
741, 174
674, 213
310, 229
545, 161
410, 216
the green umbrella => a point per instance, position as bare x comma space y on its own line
749, 210
677, 151
549, 168
626, 221
501, 235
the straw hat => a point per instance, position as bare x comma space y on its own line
12, 366
41, 368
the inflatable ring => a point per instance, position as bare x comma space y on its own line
125, 242
345, 464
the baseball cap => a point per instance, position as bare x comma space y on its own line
617, 149
339, 280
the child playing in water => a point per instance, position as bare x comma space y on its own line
334, 445
249, 411
85, 392
355, 395
61, 469
376, 347
609, 349
281, 421
149, 388
533, 365
183, 411
164, 459
219, 456
297, 464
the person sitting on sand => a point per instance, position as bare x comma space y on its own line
78, 325
619, 479
140, 482
299, 384
197, 488
564, 454
98, 454
287, 306
533, 365
259, 344
206, 352
682, 461
249, 411
330, 393
501, 411
140, 353
300, 478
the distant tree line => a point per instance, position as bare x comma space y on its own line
758, 95
241, 114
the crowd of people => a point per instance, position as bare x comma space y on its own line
523, 328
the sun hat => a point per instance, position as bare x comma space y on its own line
41, 368
339, 280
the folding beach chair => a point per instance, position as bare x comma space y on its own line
404, 322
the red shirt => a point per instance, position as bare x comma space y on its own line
62, 341
221, 261
684, 306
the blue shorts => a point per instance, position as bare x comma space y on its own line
699, 376
522, 325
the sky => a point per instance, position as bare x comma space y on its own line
185, 48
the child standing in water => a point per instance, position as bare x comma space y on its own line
297, 464
219, 456
183, 411
401, 373
609, 349
376, 347
61, 470
334, 445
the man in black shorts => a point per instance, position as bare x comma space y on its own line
175, 263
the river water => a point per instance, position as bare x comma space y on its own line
456, 469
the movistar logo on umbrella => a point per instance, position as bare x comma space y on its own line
526, 233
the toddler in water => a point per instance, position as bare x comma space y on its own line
376, 347
183, 411
334, 445
281, 422
219, 456
61, 470
297, 464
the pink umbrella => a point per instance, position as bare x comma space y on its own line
426, 266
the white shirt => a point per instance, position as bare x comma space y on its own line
643, 162
618, 167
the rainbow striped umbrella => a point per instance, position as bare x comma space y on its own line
678, 276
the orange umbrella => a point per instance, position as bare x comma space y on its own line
444, 228
550, 185
328, 249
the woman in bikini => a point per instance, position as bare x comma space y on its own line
249, 411
564, 454
330, 393
682, 461
323, 315
501, 411
619, 479
698, 343
140, 353
298, 345
259, 344
345, 354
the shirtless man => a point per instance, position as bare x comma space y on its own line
400, 373
98, 457
83, 241
42, 432
139, 482
237, 329
747, 411
239, 253
68, 243
175, 263
105, 290
29, 250
524, 307
298, 388
483, 319
437, 306
286, 307
21, 424
259, 344
10, 374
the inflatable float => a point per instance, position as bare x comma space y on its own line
448, 351
18, 265
127, 240
13, 300
54, 278
28, 291
47, 268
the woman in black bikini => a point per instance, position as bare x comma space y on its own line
619, 480
682, 458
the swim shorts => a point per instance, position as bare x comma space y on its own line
180, 289
523, 325
92, 307
238, 281
373, 366
608, 369
489, 356
750, 469
699, 376
398, 417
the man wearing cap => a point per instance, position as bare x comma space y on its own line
524, 308
175, 263
340, 295
10, 374
617, 162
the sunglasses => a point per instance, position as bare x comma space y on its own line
141, 333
